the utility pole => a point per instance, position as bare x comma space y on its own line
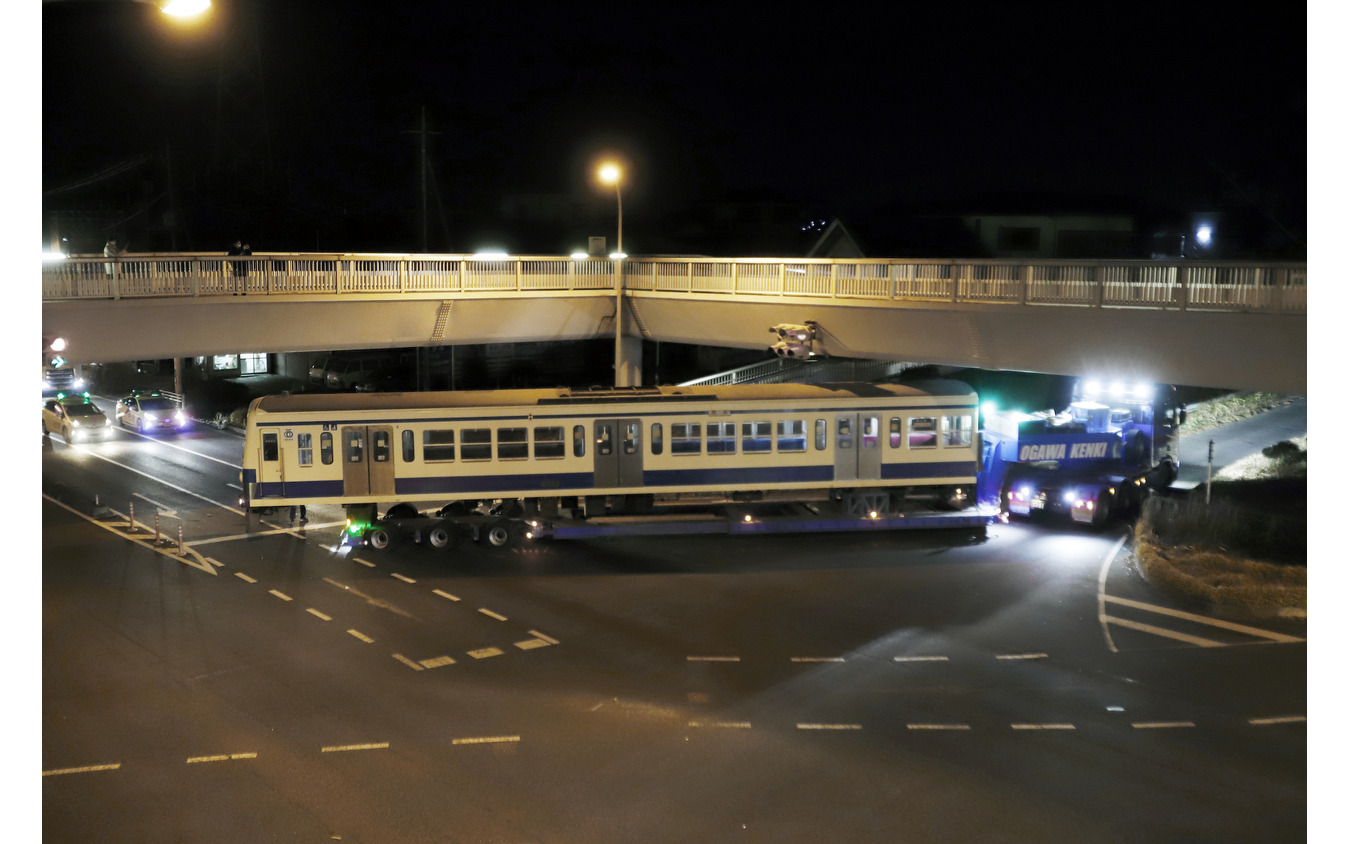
424, 169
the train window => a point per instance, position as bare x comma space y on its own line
923, 432
356, 445
755, 436
326, 448
379, 446
604, 439
512, 444
578, 440
409, 447
270, 451
844, 432
304, 444
822, 431
871, 431
438, 446
632, 436
476, 444
657, 443
791, 435
686, 439
549, 442
956, 431
895, 432
721, 437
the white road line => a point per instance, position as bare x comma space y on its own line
199, 563
724, 725
1042, 726
937, 726
1021, 656
244, 577
160, 481
87, 769
829, 726
408, 662
402, 577
1202, 619
282, 595
364, 563
180, 448
713, 659
1161, 725
318, 614
486, 740
490, 614
445, 595
342, 748
363, 637
223, 757
164, 509
817, 659
920, 659
1101, 594
1278, 719
1161, 631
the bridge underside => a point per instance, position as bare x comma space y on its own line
1218, 349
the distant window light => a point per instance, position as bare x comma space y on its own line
1204, 235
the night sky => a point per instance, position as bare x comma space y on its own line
829, 109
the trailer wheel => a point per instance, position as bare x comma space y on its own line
441, 536
379, 538
500, 534
401, 511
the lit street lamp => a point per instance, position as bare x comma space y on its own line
611, 174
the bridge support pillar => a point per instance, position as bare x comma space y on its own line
627, 361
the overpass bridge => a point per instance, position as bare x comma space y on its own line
1225, 324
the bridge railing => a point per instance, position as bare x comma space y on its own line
1175, 285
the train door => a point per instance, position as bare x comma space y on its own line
367, 460
271, 478
618, 453
857, 446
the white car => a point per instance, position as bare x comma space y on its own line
151, 412
75, 418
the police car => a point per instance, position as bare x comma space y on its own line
152, 412
75, 418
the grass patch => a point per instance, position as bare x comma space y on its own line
1248, 548
1213, 412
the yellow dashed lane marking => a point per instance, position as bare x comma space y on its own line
341, 748
490, 614
530, 644
363, 637
318, 614
244, 577
438, 662
224, 757
408, 662
282, 595
484, 653
87, 769
445, 595
486, 740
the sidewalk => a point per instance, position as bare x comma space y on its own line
1237, 440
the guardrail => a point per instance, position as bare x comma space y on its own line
1162, 285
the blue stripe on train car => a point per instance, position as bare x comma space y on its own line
298, 489
919, 471
738, 475
543, 482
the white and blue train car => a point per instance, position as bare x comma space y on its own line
868, 446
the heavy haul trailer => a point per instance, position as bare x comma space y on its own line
1098, 458
500, 465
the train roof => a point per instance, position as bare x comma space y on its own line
608, 395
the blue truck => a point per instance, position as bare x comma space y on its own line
1098, 458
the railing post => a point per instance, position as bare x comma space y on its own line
402, 275
1281, 285
954, 273
782, 279
834, 280
1183, 279
735, 278
1024, 284
1099, 285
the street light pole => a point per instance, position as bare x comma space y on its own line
611, 174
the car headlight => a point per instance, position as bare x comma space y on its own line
149, 417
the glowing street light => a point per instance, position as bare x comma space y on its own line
611, 174
180, 8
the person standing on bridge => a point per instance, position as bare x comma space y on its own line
232, 267
111, 250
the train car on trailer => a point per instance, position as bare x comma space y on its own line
430, 465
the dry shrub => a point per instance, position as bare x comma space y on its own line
1202, 566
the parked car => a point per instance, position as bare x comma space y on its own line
389, 379
75, 418
344, 374
318, 368
155, 411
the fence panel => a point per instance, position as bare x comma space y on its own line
1062, 285
432, 276
989, 282
758, 279
870, 281
807, 280
927, 282
714, 277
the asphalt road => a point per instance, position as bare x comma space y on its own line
917, 686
